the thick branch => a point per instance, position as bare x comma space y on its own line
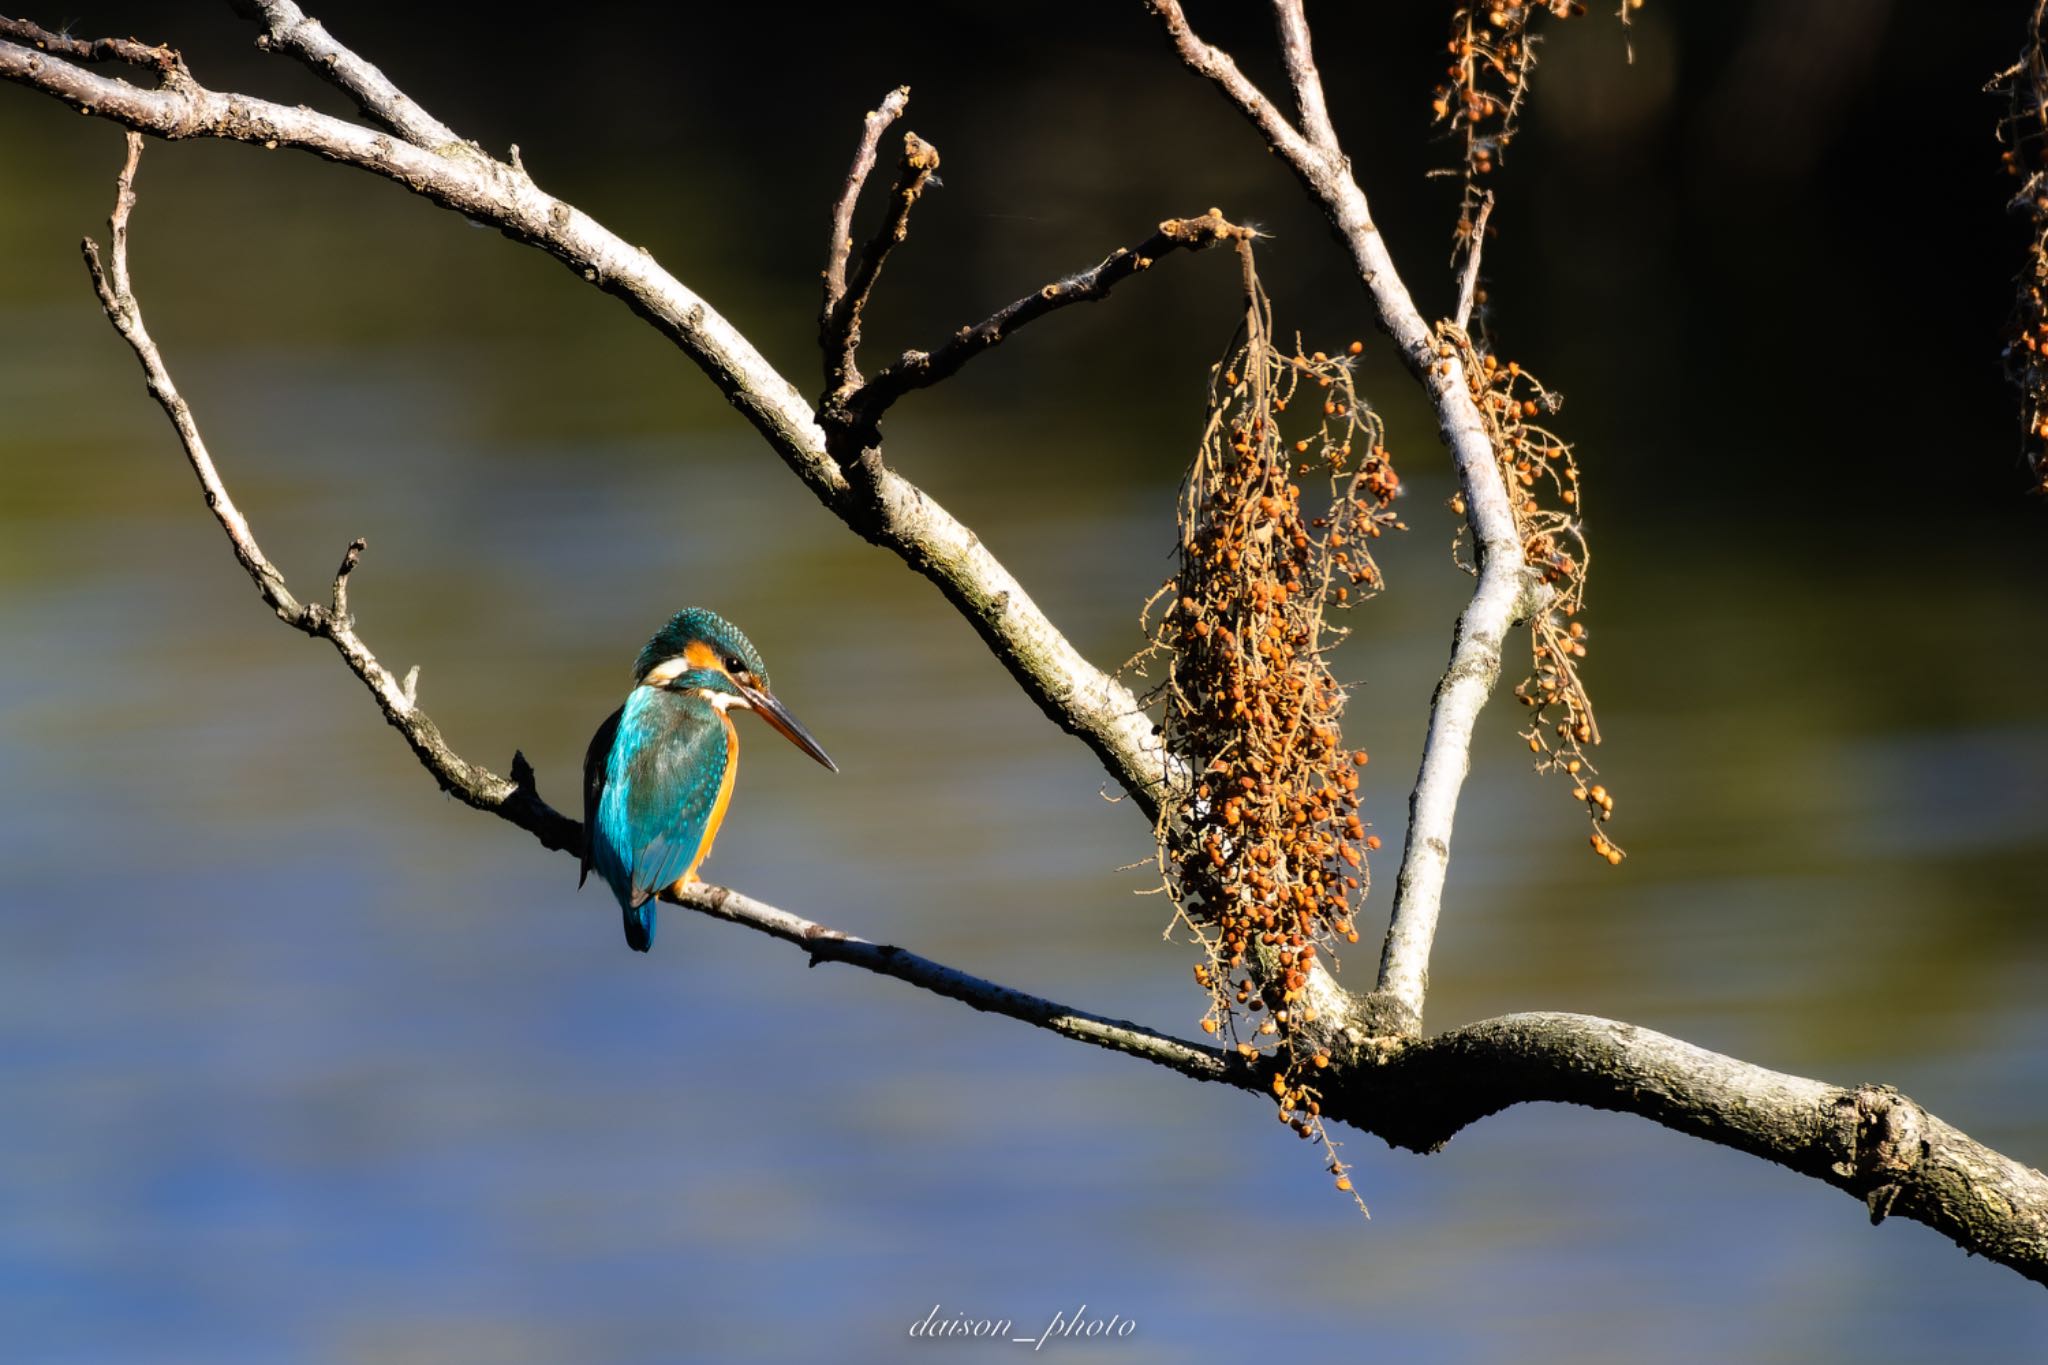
920, 369
1870, 1141
888, 511
1505, 591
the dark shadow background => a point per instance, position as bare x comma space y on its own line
300, 1060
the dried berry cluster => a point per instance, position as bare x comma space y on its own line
1493, 51
1264, 850
2024, 131
1543, 491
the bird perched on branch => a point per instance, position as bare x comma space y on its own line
659, 772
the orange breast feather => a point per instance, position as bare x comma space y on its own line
717, 818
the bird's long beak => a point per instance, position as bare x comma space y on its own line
768, 708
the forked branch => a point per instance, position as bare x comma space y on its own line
852, 410
920, 165
839, 246
288, 29
514, 800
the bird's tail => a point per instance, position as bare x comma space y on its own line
640, 926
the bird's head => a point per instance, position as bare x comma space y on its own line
701, 652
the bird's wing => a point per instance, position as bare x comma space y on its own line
676, 799
659, 796
596, 762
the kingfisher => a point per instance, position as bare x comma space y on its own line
659, 772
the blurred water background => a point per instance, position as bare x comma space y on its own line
301, 1060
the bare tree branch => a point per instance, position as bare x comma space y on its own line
886, 509
1870, 1141
288, 29
163, 60
830, 945
1300, 58
920, 369
1219, 67
514, 800
1468, 282
842, 327
1506, 591
840, 244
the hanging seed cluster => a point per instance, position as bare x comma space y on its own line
1264, 851
2024, 130
1493, 51
1543, 491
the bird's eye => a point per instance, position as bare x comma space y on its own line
735, 665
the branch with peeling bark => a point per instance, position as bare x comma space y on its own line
1871, 1141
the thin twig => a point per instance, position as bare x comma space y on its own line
920, 369
1468, 283
477, 786
830, 945
840, 245
1870, 1141
112, 285
841, 339
163, 60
